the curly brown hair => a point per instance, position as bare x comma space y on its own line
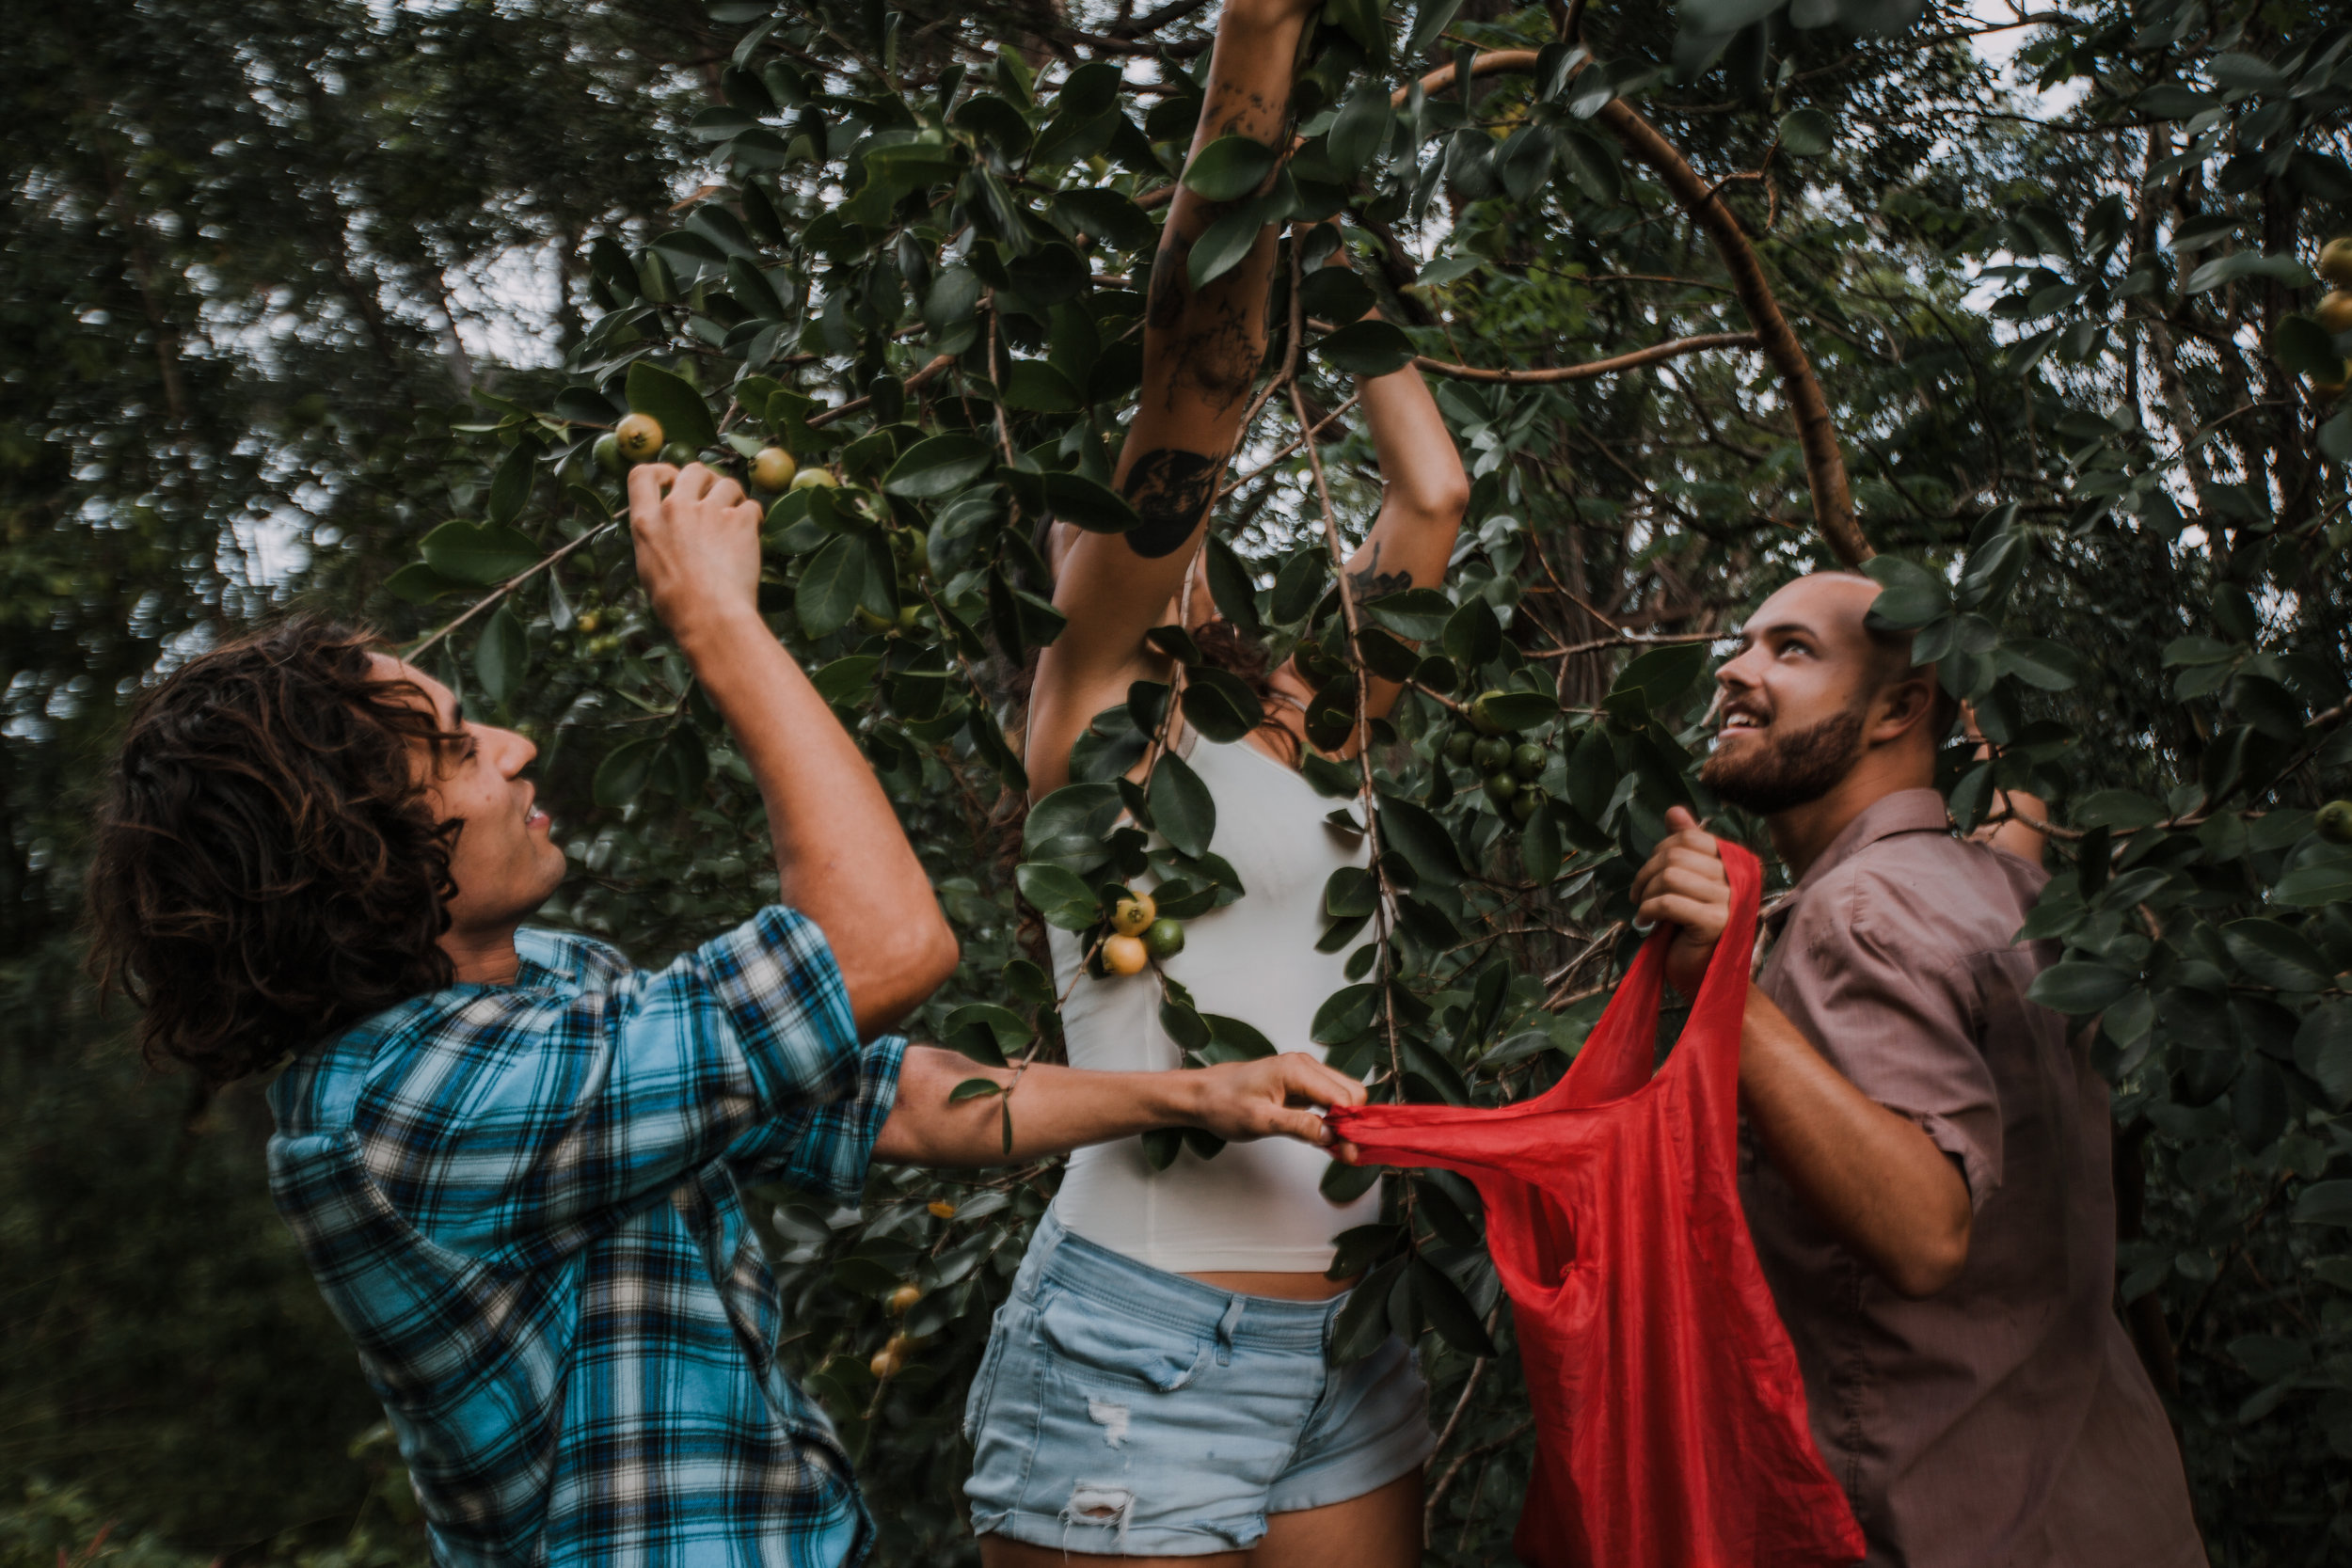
267, 867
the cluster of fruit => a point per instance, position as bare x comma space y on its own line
639, 438
891, 1359
2335, 308
1139, 935
1508, 771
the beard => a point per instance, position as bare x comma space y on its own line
1787, 771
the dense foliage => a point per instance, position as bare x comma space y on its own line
2064, 335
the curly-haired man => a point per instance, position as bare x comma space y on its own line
514, 1161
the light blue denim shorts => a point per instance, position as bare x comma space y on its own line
1124, 1410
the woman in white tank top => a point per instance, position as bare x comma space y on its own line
1156, 1387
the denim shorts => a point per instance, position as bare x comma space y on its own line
1124, 1410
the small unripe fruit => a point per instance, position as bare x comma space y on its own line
910, 616
2335, 261
1502, 786
1164, 938
640, 436
941, 1209
808, 479
1528, 759
2335, 311
677, 455
589, 621
1124, 954
2335, 821
773, 468
1491, 755
1131, 915
1458, 746
608, 453
903, 1300
1481, 714
1526, 803
873, 622
2331, 388
887, 1364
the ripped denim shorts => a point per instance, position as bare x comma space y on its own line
1127, 1411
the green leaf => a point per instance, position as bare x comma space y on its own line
1413, 832
2323, 1049
1111, 217
1181, 808
1362, 1324
2247, 264
1220, 707
940, 466
671, 399
1235, 596
1806, 133
2117, 808
1230, 167
1223, 243
1344, 1184
1367, 348
623, 774
2303, 347
1362, 125
1350, 893
1420, 614
1662, 674
2325, 1203
1448, 1310
510, 487
2078, 988
2038, 661
1035, 386
1909, 594
1233, 1040
830, 586
2315, 885
479, 556
1345, 1014
1057, 894
974, 1088
1096, 507
417, 583
501, 656
847, 678
1000, 1031
1335, 295
2276, 956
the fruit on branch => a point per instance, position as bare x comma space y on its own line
773, 468
608, 455
2335, 261
1526, 803
810, 478
940, 1209
913, 551
1491, 755
1502, 786
890, 1360
1163, 938
679, 453
1458, 747
2335, 821
903, 1299
1126, 954
2335, 311
910, 616
1132, 915
1482, 712
639, 436
1528, 759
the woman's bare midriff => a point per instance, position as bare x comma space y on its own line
1281, 1287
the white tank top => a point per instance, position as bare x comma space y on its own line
1256, 1207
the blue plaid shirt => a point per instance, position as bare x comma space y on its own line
524, 1202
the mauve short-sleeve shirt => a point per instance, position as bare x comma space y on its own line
2005, 1420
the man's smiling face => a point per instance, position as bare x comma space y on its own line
1796, 697
503, 860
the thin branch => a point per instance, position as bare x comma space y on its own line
499, 593
1592, 368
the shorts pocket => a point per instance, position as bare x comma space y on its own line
984, 1381
1094, 1337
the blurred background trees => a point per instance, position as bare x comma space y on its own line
327, 302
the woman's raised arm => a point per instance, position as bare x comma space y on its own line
1201, 349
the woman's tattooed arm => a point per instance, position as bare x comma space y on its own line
1370, 583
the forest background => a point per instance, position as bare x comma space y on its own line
307, 302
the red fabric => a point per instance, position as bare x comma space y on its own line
1670, 1416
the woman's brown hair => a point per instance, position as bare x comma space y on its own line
267, 867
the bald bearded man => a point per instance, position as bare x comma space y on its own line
1929, 1186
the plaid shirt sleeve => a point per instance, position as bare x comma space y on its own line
825, 1150
530, 1120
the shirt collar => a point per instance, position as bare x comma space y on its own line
1906, 811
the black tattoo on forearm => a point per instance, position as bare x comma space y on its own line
1370, 582
1170, 490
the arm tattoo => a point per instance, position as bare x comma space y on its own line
1371, 582
1170, 490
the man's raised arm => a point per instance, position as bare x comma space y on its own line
841, 857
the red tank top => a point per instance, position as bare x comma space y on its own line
1670, 1416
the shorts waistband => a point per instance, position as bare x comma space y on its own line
1072, 1265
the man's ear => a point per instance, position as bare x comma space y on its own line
1903, 706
